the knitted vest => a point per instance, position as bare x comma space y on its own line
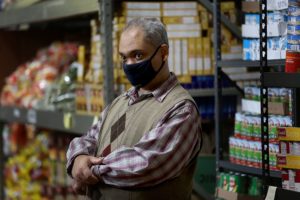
125, 125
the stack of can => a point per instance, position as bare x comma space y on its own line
240, 183
293, 37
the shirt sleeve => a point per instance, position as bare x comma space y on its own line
161, 154
84, 145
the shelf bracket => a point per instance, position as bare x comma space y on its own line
231, 27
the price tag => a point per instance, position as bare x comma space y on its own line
67, 120
271, 193
31, 116
16, 113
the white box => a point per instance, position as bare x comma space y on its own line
128, 19
251, 106
185, 67
171, 55
184, 34
277, 4
274, 30
141, 5
177, 55
183, 27
143, 13
183, 13
180, 5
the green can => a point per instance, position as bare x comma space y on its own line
255, 188
243, 178
220, 180
226, 182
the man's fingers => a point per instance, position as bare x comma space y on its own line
96, 161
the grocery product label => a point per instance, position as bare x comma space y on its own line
294, 10
31, 116
16, 113
293, 47
293, 29
293, 39
294, 20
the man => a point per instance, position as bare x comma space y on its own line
145, 144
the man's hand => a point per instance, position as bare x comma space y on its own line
82, 172
78, 187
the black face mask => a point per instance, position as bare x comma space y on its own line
140, 74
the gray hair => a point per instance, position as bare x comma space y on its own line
155, 32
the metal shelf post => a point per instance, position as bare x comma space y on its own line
264, 95
106, 17
217, 80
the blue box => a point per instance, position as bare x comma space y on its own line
293, 29
294, 10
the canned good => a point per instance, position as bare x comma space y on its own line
255, 187
292, 175
232, 153
284, 147
292, 62
238, 124
225, 184
285, 179
220, 180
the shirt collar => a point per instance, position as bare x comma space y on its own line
160, 93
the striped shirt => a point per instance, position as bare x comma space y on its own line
160, 155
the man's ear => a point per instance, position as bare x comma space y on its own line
165, 52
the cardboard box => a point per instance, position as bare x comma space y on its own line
184, 34
274, 30
171, 55
199, 56
235, 196
204, 20
254, 6
275, 108
288, 161
141, 5
185, 60
186, 12
288, 133
206, 55
192, 45
179, 5
142, 13
177, 56
183, 27
181, 20
227, 6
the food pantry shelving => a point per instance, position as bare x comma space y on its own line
268, 79
54, 11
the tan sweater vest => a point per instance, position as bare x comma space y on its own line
125, 125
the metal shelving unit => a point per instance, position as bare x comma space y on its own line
281, 79
247, 170
246, 63
43, 12
47, 11
76, 124
210, 92
268, 79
